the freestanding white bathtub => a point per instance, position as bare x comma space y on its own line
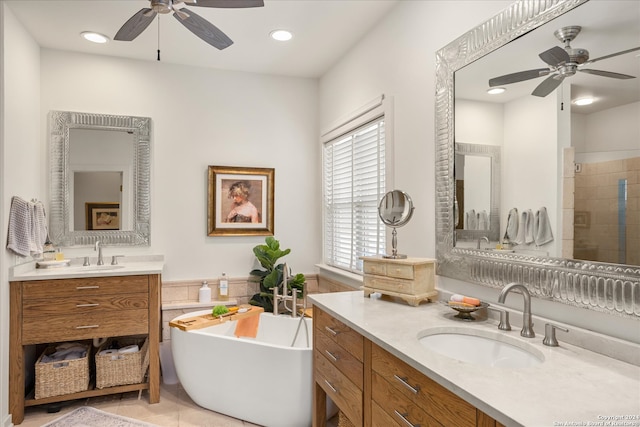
263, 380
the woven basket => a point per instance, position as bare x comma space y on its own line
64, 377
343, 421
122, 368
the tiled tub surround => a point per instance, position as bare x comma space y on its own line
573, 385
181, 297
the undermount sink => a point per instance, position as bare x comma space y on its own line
480, 347
98, 267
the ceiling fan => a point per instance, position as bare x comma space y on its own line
194, 23
562, 63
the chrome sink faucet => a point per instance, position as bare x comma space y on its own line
527, 324
98, 247
485, 238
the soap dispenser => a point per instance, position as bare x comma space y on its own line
204, 294
223, 294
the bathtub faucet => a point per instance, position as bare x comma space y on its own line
284, 297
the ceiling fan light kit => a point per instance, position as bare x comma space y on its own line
192, 21
562, 63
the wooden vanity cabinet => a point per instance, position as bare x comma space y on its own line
338, 360
377, 389
58, 310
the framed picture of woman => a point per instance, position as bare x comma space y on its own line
240, 201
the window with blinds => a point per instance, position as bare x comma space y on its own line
354, 183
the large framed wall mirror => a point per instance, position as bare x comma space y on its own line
569, 190
99, 179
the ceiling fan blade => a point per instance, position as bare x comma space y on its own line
135, 25
622, 52
555, 56
607, 74
204, 29
226, 3
547, 86
518, 77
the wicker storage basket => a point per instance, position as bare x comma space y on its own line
63, 377
343, 421
122, 368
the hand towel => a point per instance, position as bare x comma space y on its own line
38, 229
19, 235
472, 220
525, 230
248, 326
483, 220
542, 227
511, 232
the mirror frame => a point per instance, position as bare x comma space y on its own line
493, 153
603, 287
60, 232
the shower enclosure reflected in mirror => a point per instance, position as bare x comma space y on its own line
99, 168
395, 210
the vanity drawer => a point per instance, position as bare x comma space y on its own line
72, 306
85, 286
339, 333
339, 388
397, 407
379, 418
344, 361
84, 326
435, 400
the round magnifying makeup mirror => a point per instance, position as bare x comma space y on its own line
395, 210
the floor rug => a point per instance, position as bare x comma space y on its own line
87, 416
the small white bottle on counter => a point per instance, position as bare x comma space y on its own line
204, 293
223, 294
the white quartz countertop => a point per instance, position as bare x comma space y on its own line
127, 266
573, 386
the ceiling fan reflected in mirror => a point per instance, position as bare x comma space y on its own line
562, 63
194, 22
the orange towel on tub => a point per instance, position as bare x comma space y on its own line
247, 326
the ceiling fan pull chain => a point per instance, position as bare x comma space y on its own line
158, 37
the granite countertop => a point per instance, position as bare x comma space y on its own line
573, 386
127, 266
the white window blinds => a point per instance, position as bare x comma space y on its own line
354, 183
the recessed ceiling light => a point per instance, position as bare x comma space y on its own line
496, 90
281, 35
583, 101
94, 37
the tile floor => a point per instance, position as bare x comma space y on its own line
175, 409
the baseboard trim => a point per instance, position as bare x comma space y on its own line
8, 422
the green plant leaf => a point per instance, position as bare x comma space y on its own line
272, 279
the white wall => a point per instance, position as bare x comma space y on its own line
398, 58
22, 154
203, 117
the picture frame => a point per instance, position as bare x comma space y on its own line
240, 201
102, 216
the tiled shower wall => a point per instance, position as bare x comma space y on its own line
597, 211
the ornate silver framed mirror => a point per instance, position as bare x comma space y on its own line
607, 287
395, 210
100, 167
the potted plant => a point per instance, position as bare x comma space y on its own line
272, 275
